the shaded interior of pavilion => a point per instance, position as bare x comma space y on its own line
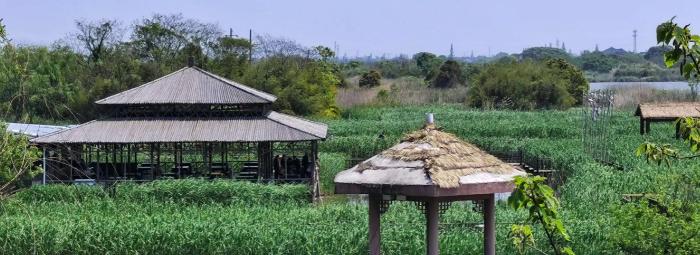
277, 162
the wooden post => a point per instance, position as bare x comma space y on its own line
432, 216
647, 126
374, 224
97, 164
678, 130
315, 176
641, 125
490, 225
43, 179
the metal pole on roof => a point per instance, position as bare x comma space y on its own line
43, 179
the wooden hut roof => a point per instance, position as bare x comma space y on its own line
668, 110
430, 157
270, 127
190, 85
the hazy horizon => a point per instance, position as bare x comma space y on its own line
378, 28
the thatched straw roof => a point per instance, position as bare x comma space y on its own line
668, 110
430, 157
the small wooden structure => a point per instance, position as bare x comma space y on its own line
664, 112
432, 168
187, 123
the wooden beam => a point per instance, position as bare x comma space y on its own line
432, 217
374, 224
641, 125
490, 225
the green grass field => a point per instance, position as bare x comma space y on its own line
198, 217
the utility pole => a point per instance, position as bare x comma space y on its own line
250, 50
634, 37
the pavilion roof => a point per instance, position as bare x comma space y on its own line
668, 110
430, 157
272, 126
190, 85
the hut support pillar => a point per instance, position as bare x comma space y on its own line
490, 225
641, 125
647, 126
374, 224
43, 162
432, 216
678, 130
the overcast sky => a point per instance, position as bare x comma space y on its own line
381, 27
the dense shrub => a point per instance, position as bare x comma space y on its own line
17, 161
372, 78
449, 75
521, 85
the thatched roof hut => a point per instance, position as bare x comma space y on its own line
664, 112
430, 166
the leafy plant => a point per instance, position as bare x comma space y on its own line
534, 195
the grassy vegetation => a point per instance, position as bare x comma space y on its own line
196, 217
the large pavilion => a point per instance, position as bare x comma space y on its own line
187, 123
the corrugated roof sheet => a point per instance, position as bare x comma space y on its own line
190, 85
32, 130
271, 127
668, 110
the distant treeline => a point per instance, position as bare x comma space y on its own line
607, 65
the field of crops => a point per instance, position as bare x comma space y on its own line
198, 217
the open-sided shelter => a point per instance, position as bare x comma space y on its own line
664, 112
187, 123
433, 168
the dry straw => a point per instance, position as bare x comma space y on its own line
445, 157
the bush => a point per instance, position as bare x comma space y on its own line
521, 85
17, 161
370, 79
449, 75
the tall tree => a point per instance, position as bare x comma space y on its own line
449, 75
96, 37
427, 63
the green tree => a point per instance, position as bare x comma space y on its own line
17, 161
544, 53
97, 37
532, 194
520, 85
370, 79
427, 64
449, 75
655, 54
597, 62
578, 85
